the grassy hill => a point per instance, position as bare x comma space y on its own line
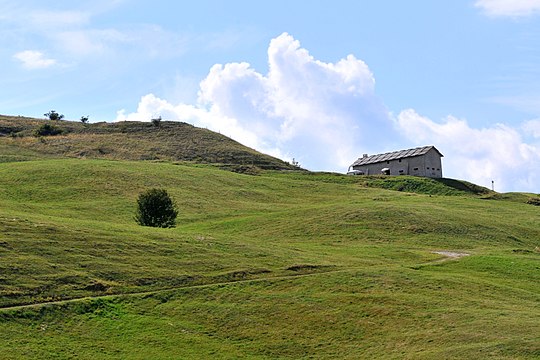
285, 265
171, 141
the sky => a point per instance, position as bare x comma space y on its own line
320, 82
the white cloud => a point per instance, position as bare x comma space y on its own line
323, 114
32, 59
74, 35
496, 153
509, 8
327, 114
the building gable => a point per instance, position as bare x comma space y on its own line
420, 161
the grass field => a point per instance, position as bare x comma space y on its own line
283, 265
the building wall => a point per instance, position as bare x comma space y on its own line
433, 165
427, 165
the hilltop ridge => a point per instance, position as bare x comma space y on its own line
182, 142
173, 141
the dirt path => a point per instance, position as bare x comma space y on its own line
451, 254
110, 296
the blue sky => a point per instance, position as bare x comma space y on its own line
319, 81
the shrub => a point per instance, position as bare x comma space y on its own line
47, 130
53, 115
534, 201
84, 119
156, 208
157, 121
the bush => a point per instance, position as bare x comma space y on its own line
47, 130
53, 115
157, 121
534, 201
156, 208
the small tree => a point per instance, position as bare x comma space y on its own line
53, 115
156, 208
84, 119
156, 121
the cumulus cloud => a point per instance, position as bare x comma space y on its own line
327, 114
32, 59
323, 114
509, 8
496, 153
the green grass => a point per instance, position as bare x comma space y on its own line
281, 265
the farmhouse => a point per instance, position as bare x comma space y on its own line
421, 161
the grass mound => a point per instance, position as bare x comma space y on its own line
172, 141
421, 185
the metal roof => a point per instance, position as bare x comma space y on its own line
401, 154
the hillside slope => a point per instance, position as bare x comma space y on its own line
283, 265
174, 141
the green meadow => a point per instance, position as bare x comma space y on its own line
282, 265
266, 262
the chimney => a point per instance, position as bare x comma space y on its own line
365, 155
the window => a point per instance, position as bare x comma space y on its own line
415, 169
388, 162
399, 160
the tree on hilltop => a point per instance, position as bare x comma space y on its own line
156, 121
53, 115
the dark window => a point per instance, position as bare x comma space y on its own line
415, 169
388, 162
399, 160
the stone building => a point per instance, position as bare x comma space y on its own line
422, 161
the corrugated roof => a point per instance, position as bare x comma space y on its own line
394, 155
